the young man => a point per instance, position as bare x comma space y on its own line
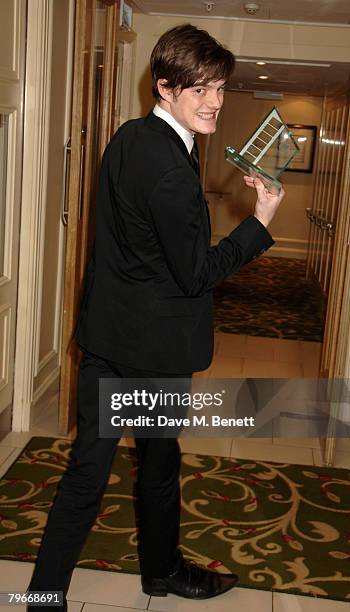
147, 309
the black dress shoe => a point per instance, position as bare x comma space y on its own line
189, 580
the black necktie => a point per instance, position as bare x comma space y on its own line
195, 157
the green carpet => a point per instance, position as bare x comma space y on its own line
271, 297
281, 527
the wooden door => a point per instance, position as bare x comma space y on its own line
335, 359
329, 237
329, 180
12, 59
328, 257
93, 66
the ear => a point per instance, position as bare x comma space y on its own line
165, 92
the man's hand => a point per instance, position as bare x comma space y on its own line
267, 203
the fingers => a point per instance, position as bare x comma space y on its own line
249, 181
262, 190
253, 181
259, 186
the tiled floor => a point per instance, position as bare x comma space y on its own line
236, 357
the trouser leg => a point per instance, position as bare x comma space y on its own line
81, 489
158, 502
158, 493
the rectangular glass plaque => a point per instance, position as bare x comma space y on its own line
267, 153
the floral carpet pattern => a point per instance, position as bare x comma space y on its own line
271, 297
280, 526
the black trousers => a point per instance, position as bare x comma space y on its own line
81, 489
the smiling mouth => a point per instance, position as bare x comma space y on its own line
207, 116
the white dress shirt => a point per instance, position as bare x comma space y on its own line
184, 134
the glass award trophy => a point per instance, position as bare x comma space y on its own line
267, 153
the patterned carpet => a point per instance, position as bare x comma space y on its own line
281, 527
271, 297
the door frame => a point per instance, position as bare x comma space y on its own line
35, 153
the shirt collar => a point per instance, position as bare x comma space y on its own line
184, 134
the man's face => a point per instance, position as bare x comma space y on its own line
196, 108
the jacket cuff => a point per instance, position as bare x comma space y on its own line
253, 236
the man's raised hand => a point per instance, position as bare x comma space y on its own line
267, 202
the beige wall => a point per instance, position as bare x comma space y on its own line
239, 117
250, 39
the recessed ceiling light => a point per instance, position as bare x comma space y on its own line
245, 60
261, 63
263, 77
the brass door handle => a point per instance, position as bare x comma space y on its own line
330, 229
66, 168
81, 180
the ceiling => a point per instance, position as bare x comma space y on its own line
283, 77
315, 11
326, 79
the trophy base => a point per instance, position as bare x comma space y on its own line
271, 183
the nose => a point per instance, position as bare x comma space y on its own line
215, 99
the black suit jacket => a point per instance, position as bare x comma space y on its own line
148, 294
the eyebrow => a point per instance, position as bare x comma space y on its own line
207, 84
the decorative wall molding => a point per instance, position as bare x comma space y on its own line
11, 73
45, 385
46, 359
10, 192
5, 421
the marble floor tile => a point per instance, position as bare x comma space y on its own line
88, 607
260, 348
249, 449
206, 446
236, 600
226, 367
255, 368
109, 588
288, 350
285, 602
6, 464
5, 452
230, 345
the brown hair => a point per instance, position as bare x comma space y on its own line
185, 56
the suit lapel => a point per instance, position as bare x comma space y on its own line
159, 125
